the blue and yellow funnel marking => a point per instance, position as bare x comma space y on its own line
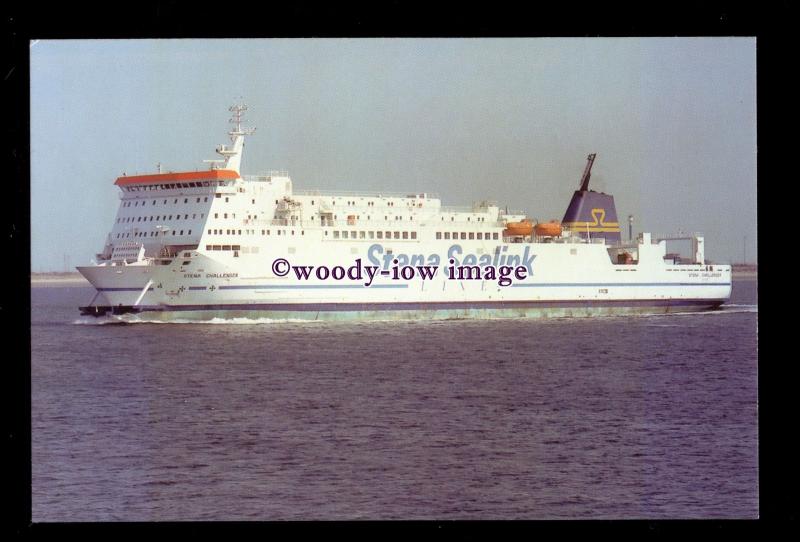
592, 214
598, 223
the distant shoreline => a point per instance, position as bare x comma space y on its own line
58, 279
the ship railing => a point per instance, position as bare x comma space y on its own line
478, 208
433, 225
266, 176
366, 194
458, 209
513, 212
677, 236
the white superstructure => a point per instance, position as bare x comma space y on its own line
214, 243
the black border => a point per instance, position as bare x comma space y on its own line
172, 19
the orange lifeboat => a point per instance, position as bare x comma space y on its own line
518, 228
548, 229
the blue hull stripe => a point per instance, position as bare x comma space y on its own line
449, 305
618, 284
404, 285
122, 289
309, 286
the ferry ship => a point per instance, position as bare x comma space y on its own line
214, 243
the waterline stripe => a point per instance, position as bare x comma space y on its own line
437, 305
617, 284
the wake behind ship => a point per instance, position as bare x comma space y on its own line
214, 243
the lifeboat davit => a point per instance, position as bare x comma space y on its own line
548, 229
518, 228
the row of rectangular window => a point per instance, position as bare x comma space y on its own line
344, 234
150, 218
480, 236
223, 247
196, 184
136, 203
151, 233
214, 231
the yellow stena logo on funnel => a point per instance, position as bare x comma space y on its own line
599, 224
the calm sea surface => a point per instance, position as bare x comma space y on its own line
629, 417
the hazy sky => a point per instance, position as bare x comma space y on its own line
673, 121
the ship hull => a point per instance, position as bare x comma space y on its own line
209, 288
401, 311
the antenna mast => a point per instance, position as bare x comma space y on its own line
232, 155
237, 111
